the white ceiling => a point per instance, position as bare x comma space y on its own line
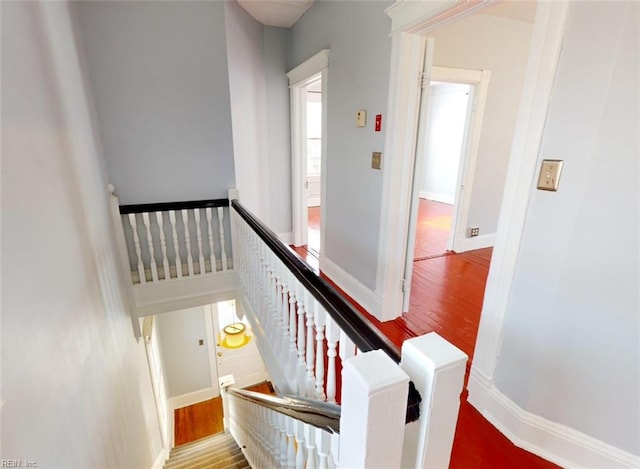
281, 13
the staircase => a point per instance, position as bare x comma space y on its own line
214, 452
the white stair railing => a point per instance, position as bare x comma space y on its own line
309, 335
168, 241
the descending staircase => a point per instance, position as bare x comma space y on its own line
215, 452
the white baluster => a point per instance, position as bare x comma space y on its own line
223, 253
176, 246
212, 254
187, 241
320, 318
136, 244
292, 339
300, 376
163, 247
152, 260
333, 334
309, 436
300, 453
309, 359
196, 214
347, 347
323, 445
291, 445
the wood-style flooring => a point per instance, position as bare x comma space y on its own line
205, 418
446, 297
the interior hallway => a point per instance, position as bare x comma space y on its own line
446, 297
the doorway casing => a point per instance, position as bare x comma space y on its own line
299, 78
411, 23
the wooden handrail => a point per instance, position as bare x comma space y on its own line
166, 206
316, 413
361, 331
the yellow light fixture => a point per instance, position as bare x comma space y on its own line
235, 336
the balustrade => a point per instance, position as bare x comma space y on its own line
192, 243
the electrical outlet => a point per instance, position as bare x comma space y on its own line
473, 232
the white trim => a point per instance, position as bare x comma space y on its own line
553, 441
299, 78
477, 242
546, 43
403, 107
442, 198
161, 459
468, 160
183, 293
364, 296
286, 238
423, 17
210, 316
184, 400
309, 67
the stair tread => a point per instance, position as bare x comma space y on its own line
214, 452
207, 440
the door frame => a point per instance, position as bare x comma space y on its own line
411, 22
299, 78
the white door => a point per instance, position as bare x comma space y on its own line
243, 362
417, 170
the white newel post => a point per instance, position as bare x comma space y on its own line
437, 368
374, 404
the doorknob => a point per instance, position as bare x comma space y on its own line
219, 354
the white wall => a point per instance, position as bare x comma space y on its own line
571, 338
186, 362
358, 35
443, 144
158, 71
501, 45
75, 383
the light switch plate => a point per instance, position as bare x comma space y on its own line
376, 160
549, 177
361, 118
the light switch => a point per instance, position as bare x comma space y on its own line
549, 175
361, 118
376, 160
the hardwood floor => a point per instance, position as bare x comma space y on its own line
446, 297
432, 230
198, 421
205, 418
313, 233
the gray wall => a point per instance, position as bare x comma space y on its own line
501, 45
276, 61
159, 76
358, 35
571, 335
257, 59
186, 363
75, 385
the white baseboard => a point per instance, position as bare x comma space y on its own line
191, 398
444, 198
313, 201
477, 242
161, 459
286, 238
552, 441
183, 400
366, 297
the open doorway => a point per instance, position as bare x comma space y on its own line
314, 163
446, 132
308, 85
